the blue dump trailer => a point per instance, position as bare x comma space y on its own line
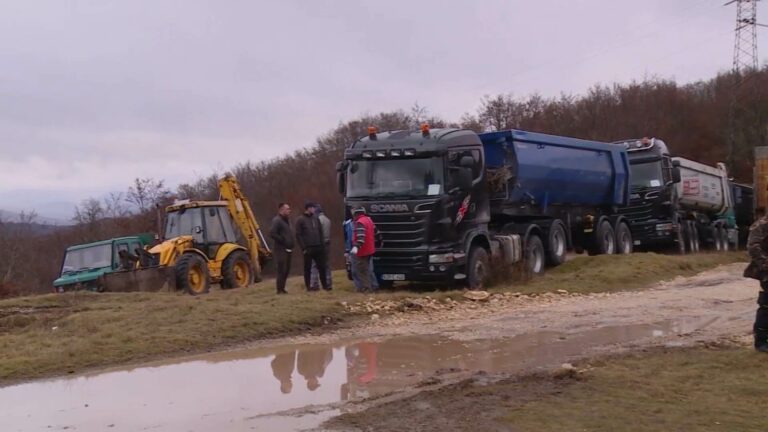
450, 203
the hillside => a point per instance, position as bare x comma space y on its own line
691, 118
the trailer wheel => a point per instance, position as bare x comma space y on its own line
557, 244
534, 255
236, 270
192, 274
477, 268
604, 240
624, 243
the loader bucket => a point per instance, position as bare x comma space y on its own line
151, 279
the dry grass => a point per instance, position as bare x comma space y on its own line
56, 334
664, 390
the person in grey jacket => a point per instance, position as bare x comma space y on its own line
282, 235
309, 236
314, 280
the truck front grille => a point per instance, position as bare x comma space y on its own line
401, 231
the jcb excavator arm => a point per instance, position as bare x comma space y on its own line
237, 204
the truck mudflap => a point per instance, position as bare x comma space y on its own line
151, 279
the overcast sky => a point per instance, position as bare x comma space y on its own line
96, 93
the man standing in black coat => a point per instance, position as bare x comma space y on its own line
282, 235
309, 235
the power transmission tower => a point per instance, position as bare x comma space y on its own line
745, 45
745, 63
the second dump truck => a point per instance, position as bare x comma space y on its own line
448, 202
683, 204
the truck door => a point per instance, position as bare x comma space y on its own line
464, 203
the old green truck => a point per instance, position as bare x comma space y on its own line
85, 265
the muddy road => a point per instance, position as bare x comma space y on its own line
298, 383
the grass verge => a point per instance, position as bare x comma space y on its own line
58, 334
683, 390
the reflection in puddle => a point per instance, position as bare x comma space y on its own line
248, 389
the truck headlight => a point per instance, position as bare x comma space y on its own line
664, 227
441, 258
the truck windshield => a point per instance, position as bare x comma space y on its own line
647, 174
87, 258
405, 177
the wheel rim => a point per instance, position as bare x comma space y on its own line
609, 242
241, 273
196, 278
479, 274
536, 258
625, 240
559, 240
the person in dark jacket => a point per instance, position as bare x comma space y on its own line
282, 236
757, 246
309, 236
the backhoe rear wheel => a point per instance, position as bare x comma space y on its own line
192, 274
236, 271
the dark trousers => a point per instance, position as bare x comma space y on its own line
761, 317
283, 264
363, 269
316, 254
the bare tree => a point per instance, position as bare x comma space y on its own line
89, 212
146, 193
115, 205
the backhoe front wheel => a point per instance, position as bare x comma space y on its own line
236, 271
192, 274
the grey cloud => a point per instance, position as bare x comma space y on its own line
93, 93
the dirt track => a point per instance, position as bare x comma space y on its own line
263, 387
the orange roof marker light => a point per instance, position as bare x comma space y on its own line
424, 129
372, 132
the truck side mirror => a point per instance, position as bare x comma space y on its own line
466, 162
341, 182
676, 177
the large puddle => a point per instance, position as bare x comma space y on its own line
285, 388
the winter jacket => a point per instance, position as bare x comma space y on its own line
757, 247
309, 232
365, 236
281, 233
326, 224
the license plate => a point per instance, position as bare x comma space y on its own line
393, 277
637, 242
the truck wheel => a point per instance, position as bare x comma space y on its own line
690, 237
192, 274
236, 270
557, 244
534, 255
605, 240
695, 237
624, 243
679, 245
717, 239
477, 268
724, 239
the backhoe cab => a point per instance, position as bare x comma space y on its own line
206, 242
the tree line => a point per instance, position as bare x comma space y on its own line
693, 119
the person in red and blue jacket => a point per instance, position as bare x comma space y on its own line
363, 248
349, 234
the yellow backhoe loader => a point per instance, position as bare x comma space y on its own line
204, 242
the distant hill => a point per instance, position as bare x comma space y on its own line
10, 216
